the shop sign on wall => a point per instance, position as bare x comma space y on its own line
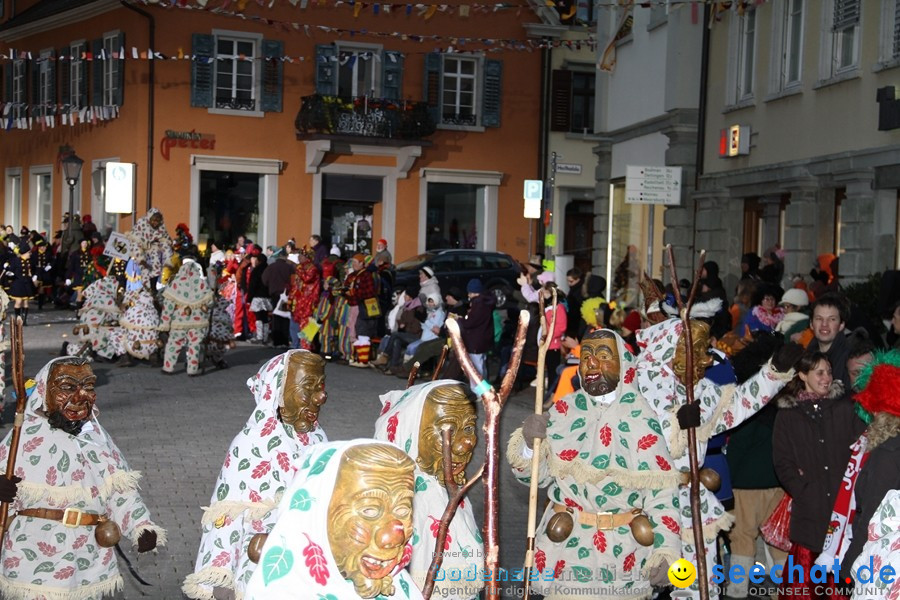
186, 139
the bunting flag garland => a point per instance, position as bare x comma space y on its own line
623, 28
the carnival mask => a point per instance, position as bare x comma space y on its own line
445, 406
304, 391
155, 220
599, 366
370, 516
70, 396
701, 356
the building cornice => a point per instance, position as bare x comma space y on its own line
61, 19
544, 30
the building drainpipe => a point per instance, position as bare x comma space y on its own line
701, 123
151, 97
543, 143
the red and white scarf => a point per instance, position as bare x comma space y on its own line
839, 532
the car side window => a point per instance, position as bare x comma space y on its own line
444, 264
497, 262
471, 261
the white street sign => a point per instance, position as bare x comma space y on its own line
653, 185
119, 187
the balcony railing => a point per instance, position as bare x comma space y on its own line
364, 117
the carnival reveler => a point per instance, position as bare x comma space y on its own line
186, 303
154, 243
140, 324
412, 420
347, 518
608, 471
660, 378
261, 461
76, 497
99, 321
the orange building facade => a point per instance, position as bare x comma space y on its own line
277, 122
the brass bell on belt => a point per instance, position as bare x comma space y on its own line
559, 527
107, 534
710, 479
642, 530
254, 548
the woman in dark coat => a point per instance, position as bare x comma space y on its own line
82, 271
21, 290
815, 426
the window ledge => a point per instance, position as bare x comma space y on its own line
884, 65
795, 90
236, 113
590, 136
475, 128
839, 78
741, 104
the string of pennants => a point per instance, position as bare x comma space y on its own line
13, 115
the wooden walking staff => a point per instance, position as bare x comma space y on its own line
536, 442
440, 364
493, 403
696, 517
18, 377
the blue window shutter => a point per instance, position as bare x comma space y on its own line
34, 97
203, 49
119, 90
392, 75
272, 75
491, 92
326, 70
51, 75
97, 73
432, 92
62, 70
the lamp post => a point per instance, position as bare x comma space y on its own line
72, 170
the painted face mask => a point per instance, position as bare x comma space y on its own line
304, 391
370, 516
700, 351
70, 396
599, 367
447, 406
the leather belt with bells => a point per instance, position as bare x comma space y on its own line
70, 517
605, 520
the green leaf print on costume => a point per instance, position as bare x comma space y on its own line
321, 462
276, 563
582, 574
301, 500
627, 398
577, 424
601, 461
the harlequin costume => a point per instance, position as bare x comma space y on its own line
721, 408
400, 424
603, 455
302, 531
186, 303
99, 321
261, 461
303, 294
43, 558
140, 323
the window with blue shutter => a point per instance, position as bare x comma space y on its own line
34, 93
326, 69
96, 73
491, 93
392, 75
117, 66
203, 49
432, 92
272, 76
64, 73
51, 98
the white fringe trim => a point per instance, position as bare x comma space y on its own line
658, 557
136, 327
234, 509
678, 437
195, 584
584, 472
206, 298
31, 494
10, 590
184, 326
161, 537
710, 530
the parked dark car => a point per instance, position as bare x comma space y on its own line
454, 268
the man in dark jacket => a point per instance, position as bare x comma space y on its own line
829, 317
319, 249
276, 278
477, 329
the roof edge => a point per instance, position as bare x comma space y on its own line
66, 17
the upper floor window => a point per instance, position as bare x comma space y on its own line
237, 72
746, 55
357, 75
19, 88
572, 100
355, 70
791, 42
844, 36
463, 90
76, 94
45, 79
107, 81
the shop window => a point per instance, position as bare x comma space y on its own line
229, 207
455, 215
463, 91
13, 204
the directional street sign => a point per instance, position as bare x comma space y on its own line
653, 185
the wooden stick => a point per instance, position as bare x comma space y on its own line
493, 404
447, 457
536, 442
440, 365
696, 517
18, 377
412, 375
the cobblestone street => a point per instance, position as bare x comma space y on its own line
176, 430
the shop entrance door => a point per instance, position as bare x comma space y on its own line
348, 204
229, 207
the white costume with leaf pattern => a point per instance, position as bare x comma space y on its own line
260, 463
399, 424
43, 558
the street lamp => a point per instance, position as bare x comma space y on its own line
72, 170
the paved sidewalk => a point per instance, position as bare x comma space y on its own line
176, 430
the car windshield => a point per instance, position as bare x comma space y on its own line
415, 262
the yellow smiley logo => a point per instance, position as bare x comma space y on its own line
682, 573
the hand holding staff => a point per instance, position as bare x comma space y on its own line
18, 375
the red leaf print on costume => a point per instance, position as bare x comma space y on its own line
227, 460
222, 559
11, 563
47, 549
268, 394
568, 455
79, 541
407, 556
628, 564
629, 375
392, 428
562, 408
51, 476
303, 438
107, 557
32, 445
261, 469
671, 524
64, 573
77, 475
647, 441
284, 461
606, 435
895, 545
572, 504
435, 529
540, 560
557, 571
386, 407
315, 560
254, 496
268, 427
729, 418
663, 463
600, 541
